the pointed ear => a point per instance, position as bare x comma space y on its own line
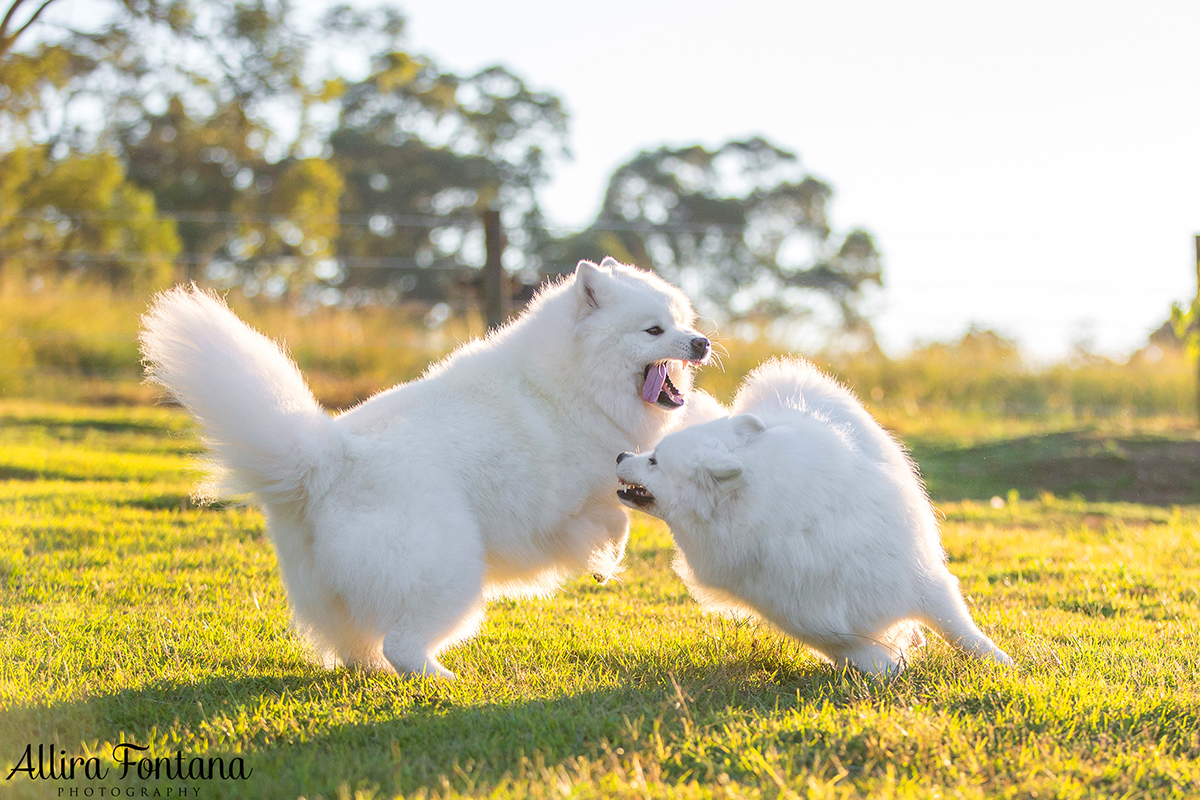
723, 468
609, 262
589, 283
747, 426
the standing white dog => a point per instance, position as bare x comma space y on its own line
802, 510
489, 476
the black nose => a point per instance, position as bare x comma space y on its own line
623, 456
700, 347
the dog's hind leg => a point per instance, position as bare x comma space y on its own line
412, 645
412, 649
412, 655
943, 610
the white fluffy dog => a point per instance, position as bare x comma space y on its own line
489, 476
802, 510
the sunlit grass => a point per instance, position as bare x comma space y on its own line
130, 615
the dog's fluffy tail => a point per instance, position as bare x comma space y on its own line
265, 432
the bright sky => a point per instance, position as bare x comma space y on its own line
1032, 166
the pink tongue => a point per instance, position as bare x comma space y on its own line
654, 382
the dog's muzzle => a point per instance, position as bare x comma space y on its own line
634, 493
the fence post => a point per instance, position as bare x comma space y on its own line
495, 294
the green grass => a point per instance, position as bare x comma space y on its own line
129, 614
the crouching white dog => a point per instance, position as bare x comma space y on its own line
802, 510
489, 476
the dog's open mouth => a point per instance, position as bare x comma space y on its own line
657, 388
634, 493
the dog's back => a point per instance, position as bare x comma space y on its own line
883, 500
781, 388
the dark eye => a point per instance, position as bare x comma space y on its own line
653, 461
654, 330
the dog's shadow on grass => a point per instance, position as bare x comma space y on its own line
424, 732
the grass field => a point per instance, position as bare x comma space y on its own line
130, 616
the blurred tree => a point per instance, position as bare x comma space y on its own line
424, 151
219, 107
12, 25
977, 346
289, 231
30, 78
1186, 322
740, 227
80, 217
236, 118
130, 55
199, 170
215, 69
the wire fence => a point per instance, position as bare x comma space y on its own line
370, 220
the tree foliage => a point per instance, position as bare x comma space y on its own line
414, 142
200, 170
79, 217
1185, 323
290, 229
741, 226
232, 136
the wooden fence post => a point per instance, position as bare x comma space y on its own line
495, 293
